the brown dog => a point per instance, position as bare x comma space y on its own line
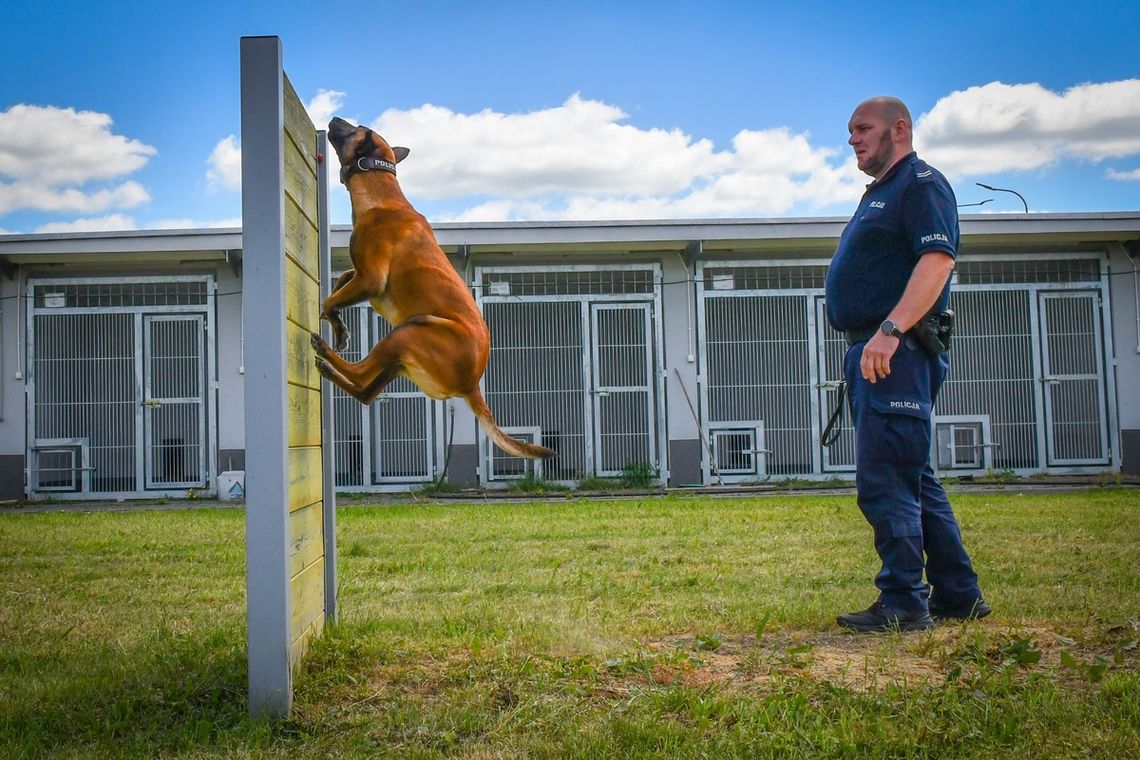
439, 339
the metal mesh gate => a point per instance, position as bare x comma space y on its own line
534, 381
1072, 377
117, 388
622, 387
394, 441
174, 408
992, 373
1027, 387
574, 365
758, 368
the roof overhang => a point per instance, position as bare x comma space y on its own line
708, 237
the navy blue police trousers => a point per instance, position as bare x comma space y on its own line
914, 526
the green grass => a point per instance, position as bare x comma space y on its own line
663, 627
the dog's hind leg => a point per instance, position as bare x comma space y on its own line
433, 352
362, 380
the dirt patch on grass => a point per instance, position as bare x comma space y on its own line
870, 663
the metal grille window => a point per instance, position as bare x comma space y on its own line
739, 451
60, 465
111, 294
787, 277
960, 443
1027, 270
554, 282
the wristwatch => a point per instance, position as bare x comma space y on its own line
890, 328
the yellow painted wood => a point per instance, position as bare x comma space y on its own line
300, 366
303, 415
301, 645
301, 242
298, 127
302, 298
305, 484
307, 601
306, 537
301, 181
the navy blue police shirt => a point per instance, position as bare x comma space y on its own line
909, 212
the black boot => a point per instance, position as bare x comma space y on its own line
878, 618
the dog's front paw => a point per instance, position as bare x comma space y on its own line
324, 368
340, 338
319, 345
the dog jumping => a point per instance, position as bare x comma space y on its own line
439, 340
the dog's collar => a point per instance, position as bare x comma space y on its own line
366, 164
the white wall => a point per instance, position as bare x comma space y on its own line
1124, 278
13, 335
231, 381
679, 321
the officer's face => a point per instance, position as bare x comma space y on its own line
871, 140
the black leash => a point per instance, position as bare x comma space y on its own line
831, 432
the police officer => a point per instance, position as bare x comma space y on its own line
892, 268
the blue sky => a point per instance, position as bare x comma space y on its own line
126, 115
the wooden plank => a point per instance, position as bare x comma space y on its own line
301, 243
305, 485
301, 644
307, 601
306, 537
298, 127
302, 298
303, 416
300, 368
301, 182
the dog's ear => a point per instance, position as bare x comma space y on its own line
401, 153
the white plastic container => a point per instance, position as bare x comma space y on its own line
231, 485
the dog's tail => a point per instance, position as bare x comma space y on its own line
512, 446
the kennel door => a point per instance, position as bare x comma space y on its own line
1076, 429
174, 400
622, 387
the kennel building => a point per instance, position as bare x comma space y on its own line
697, 349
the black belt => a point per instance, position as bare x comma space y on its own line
859, 336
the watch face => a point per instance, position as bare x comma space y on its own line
889, 328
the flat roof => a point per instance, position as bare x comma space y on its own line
1007, 229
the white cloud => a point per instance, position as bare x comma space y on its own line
67, 172
1001, 127
1132, 176
579, 146
224, 161
40, 197
324, 106
110, 223
224, 172
577, 161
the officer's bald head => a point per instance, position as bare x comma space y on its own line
888, 109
